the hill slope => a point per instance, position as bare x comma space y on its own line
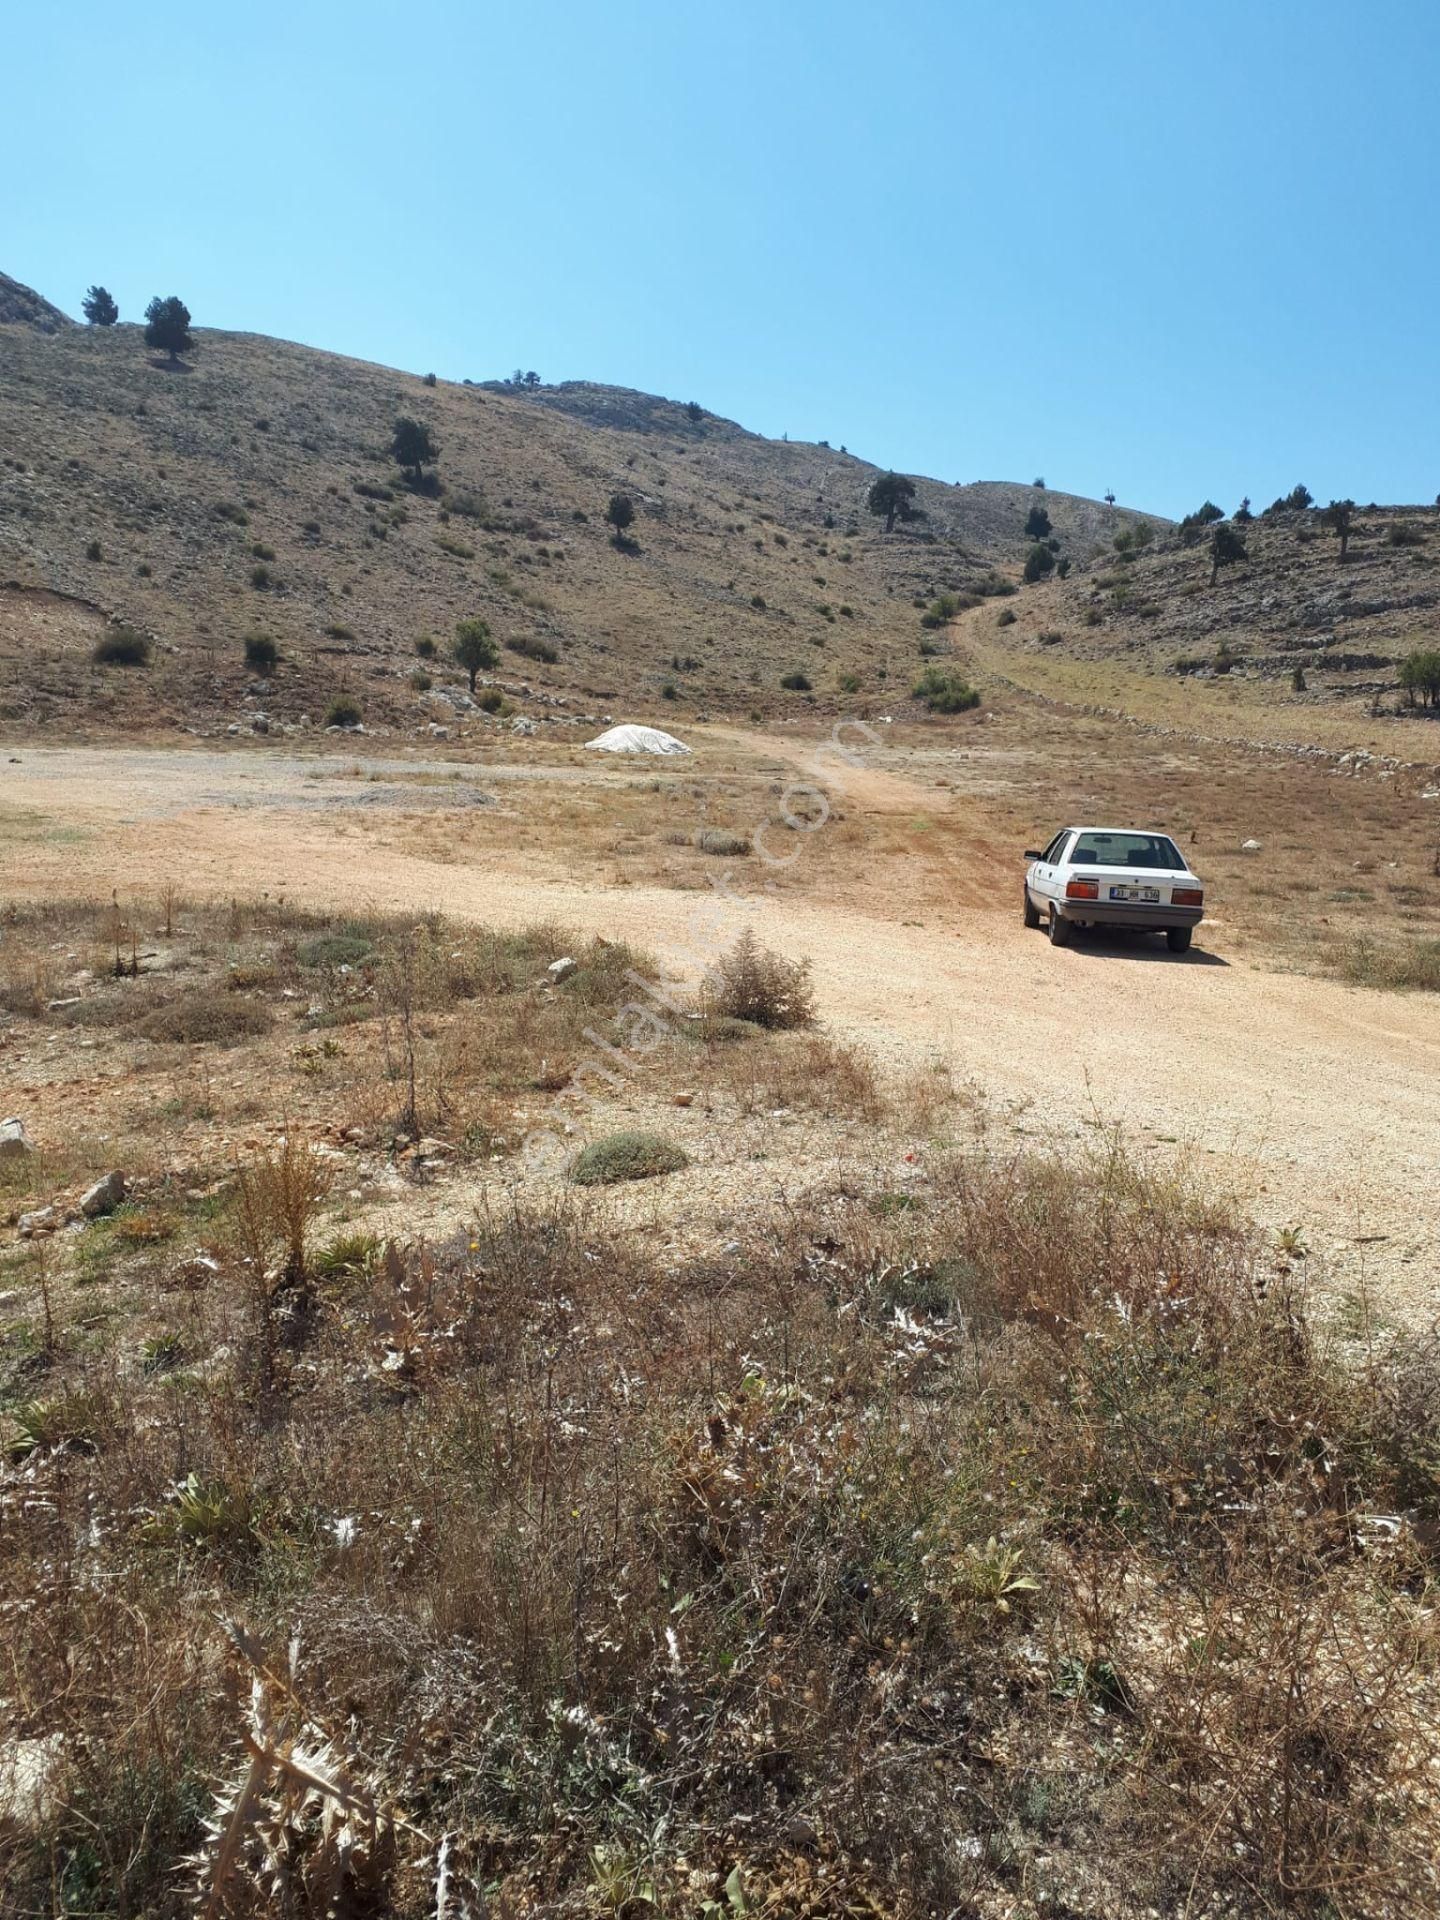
1290, 644
251, 489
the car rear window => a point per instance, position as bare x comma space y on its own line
1126, 850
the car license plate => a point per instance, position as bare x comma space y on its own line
1147, 895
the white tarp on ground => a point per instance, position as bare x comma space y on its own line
638, 740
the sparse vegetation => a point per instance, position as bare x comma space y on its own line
531, 647
795, 682
344, 711
261, 653
123, 647
753, 984
944, 690
633, 1155
1039, 562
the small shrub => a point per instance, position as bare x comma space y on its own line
757, 600
228, 510
1005, 617
143, 571
261, 652
429, 379
261, 552
631, 1155
123, 647
795, 683
491, 700
943, 691
336, 950
426, 646
849, 683
751, 983
420, 681
457, 549
261, 578
337, 632
1403, 534
722, 841
205, 1017
343, 712
534, 648
94, 551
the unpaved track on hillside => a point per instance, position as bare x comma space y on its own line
1322, 1102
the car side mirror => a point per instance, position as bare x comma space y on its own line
1030, 854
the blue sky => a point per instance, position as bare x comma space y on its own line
1174, 251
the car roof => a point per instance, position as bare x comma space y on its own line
1158, 833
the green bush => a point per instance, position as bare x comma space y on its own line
1038, 562
336, 950
943, 691
425, 646
123, 647
94, 551
533, 648
261, 652
632, 1155
849, 683
343, 712
1005, 617
421, 681
261, 578
795, 683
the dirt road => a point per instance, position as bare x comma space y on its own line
1319, 1101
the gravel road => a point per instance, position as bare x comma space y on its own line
1318, 1101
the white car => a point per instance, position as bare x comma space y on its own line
1113, 877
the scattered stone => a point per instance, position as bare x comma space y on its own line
522, 726
42, 1220
104, 1196
1250, 846
431, 1149
559, 970
15, 1143
682, 1100
59, 1006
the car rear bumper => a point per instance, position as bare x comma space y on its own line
1145, 918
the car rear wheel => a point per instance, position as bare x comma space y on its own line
1178, 939
1032, 918
1060, 930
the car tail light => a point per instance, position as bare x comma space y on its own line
1187, 897
1082, 890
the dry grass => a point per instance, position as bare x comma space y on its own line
1024, 1535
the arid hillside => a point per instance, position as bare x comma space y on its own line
1292, 642
250, 489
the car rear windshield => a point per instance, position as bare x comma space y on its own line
1126, 850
